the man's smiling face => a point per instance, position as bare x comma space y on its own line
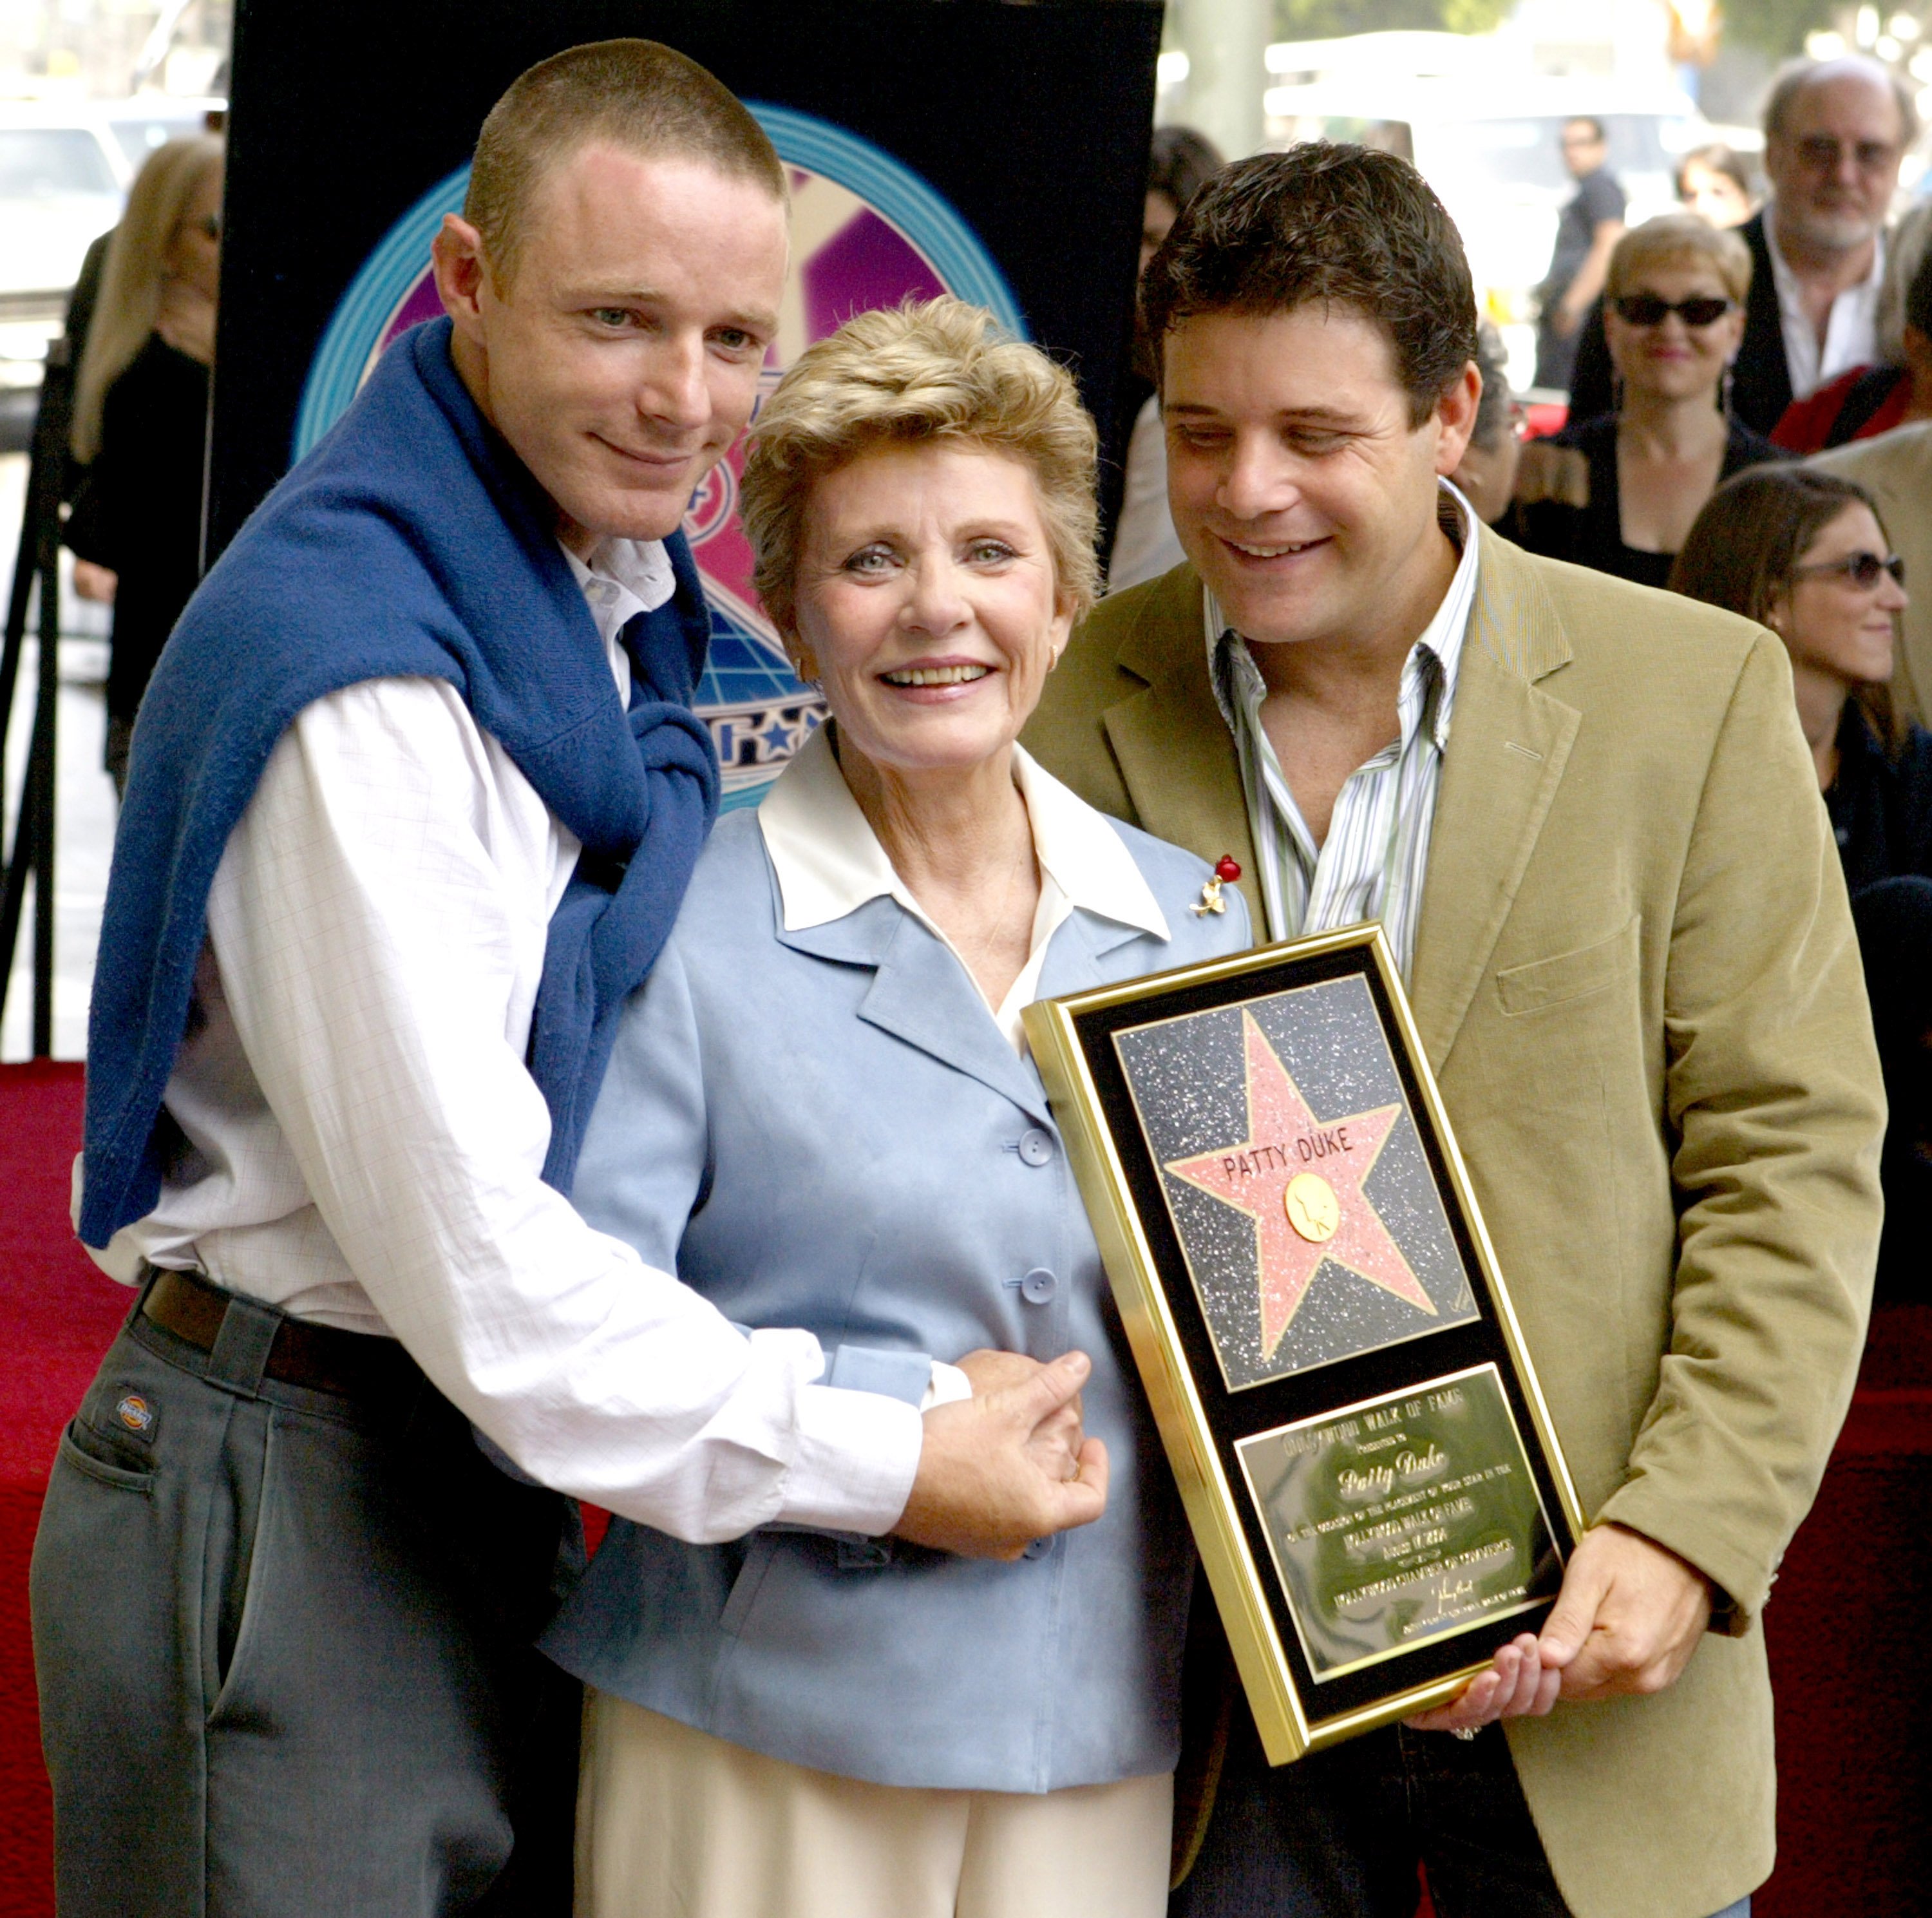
622, 358
1301, 489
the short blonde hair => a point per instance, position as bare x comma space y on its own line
640, 96
1679, 239
938, 371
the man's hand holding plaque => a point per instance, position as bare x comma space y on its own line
1625, 1623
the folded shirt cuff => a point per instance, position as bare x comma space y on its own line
901, 1375
947, 1386
857, 1454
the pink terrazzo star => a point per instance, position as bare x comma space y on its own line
1285, 1141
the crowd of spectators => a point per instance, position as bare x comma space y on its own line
1704, 353
1730, 341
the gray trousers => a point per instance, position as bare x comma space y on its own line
282, 1639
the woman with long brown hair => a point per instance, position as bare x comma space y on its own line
140, 416
1804, 553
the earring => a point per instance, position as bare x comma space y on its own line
1724, 388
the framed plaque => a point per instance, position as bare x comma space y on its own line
1371, 1474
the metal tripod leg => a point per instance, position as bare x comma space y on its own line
27, 835
33, 849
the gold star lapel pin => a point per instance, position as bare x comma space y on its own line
1226, 872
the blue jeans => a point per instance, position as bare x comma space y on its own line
1340, 1834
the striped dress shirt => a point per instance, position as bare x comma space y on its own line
1371, 864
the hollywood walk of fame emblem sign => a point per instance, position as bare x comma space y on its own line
1332, 1360
1303, 1217
1295, 1177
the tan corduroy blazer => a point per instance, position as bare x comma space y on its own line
1896, 469
1636, 978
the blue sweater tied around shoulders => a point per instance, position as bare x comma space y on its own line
412, 542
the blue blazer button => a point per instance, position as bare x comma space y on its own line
1035, 1146
1039, 1286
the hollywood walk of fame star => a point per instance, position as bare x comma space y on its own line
1300, 1179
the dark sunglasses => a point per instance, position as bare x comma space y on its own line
1862, 569
1647, 310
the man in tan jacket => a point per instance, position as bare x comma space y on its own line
1584, 814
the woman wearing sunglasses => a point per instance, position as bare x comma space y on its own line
1619, 493
1803, 552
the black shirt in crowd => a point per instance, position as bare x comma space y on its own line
1593, 535
138, 508
1597, 198
1881, 804
1895, 923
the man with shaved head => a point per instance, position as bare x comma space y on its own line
413, 800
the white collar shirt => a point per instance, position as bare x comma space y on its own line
362, 1143
621, 579
1372, 863
829, 863
1851, 332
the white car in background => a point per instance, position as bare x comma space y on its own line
1485, 136
64, 172
147, 120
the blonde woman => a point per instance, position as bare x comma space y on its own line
141, 414
820, 1112
1619, 492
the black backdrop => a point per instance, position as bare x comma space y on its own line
1033, 120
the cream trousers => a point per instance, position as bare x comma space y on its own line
674, 1824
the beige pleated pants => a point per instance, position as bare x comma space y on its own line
674, 1824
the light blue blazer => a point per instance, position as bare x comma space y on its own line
825, 1128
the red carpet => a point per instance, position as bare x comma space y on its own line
58, 1314
1851, 1661
1849, 1649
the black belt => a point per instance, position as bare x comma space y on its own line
323, 1359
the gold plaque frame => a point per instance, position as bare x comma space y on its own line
1202, 1417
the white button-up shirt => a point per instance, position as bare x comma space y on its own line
365, 1145
1851, 333
829, 863
1372, 863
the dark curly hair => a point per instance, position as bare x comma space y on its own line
1344, 225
